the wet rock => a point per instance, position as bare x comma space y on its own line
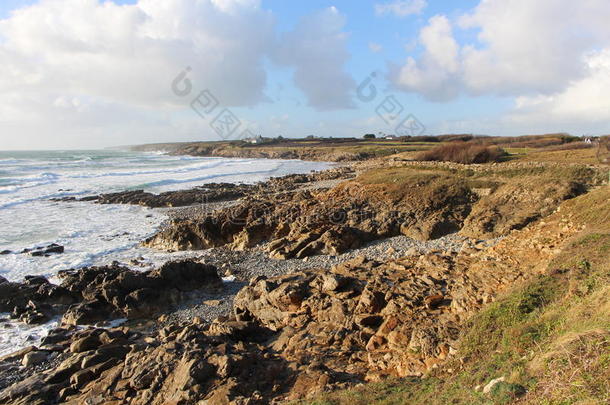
17, 355
212, 192
33, 301
96, 294
116, 291
47, 250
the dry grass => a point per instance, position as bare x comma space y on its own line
575, 369
463, 152
580, 156
531, 141
571, 146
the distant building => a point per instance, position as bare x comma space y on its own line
389, 137
257, 139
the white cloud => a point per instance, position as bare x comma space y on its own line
316, 48
523, 47
130, 53
434, 74
80, 73
583, 100
87, 66
583, 107
401, 8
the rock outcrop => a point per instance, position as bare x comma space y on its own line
92, 294
214, 192
515, 205
482, 202
35, 300
116, 292
309, 222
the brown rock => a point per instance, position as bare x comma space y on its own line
34, 358
84, 344
81, 378
433, 301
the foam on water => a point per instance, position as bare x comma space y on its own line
17, 336
95, 234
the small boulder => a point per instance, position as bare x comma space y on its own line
34, 358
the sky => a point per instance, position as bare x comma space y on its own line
86, 74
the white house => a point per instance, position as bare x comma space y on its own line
255, 140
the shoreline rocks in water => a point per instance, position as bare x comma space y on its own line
94, 294
45, 251
212, 192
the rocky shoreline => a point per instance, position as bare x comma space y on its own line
317, 282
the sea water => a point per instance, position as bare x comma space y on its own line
96, 234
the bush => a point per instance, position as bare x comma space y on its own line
463, 152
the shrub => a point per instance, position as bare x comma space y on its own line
463, 152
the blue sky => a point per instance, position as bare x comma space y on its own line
395, 35
88, 73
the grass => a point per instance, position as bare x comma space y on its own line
409, 175
549, 337
579, 156
421, 187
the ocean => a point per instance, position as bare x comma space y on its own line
96, 234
